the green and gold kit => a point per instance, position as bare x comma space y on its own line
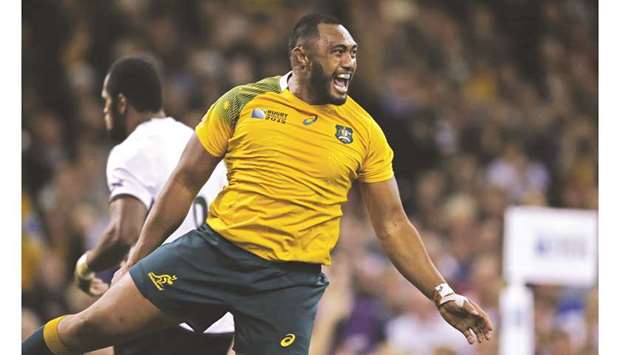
290, 167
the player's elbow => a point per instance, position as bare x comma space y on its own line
389, 228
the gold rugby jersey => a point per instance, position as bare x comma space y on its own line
290, 167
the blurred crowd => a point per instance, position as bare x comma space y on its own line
486, 104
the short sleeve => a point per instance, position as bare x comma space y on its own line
127, 175
377, 165
217, 125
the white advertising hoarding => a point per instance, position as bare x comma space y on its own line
550, 246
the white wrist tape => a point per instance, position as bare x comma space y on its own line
447, 294
82, 270
458, 299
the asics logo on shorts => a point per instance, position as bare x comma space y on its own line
160, 280
288, 340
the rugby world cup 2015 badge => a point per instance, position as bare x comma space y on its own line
258, 114
344, 134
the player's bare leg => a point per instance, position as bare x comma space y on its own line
120, 314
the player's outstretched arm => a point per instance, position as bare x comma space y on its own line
404, 246
127, 215
170, 208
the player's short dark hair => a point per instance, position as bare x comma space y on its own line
137, 78
307, 26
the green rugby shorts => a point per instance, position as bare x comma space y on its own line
201, 276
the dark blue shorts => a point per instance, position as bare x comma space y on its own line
201, 276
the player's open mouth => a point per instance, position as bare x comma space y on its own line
341, 83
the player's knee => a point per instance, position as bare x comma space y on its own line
79, 330
87, 327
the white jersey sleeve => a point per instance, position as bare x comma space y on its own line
198, 211
217, 181
129, 173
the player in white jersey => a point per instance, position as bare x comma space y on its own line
148, 150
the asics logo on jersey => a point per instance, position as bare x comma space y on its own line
288, 340
118, 183
310, 120
161, 280
344, 134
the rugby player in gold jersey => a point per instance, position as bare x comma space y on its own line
293, 145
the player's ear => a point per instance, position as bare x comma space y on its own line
299, 57
121, 103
